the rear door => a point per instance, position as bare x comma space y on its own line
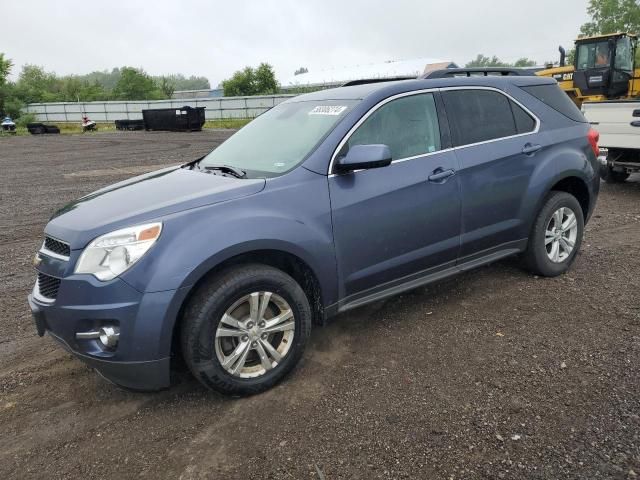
496, 141
394, 224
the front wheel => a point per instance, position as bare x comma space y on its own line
245, 329
556, 235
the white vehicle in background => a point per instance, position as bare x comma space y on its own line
618, 122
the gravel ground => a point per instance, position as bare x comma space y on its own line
492, 374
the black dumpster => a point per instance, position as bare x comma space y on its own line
184, 119
130, 124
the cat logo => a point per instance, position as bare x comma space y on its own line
37, 260
563, 77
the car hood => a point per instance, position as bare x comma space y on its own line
144, 198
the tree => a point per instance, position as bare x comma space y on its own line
5, 69
5, 88
135, 84
482, 61
180, 82
266, 83
524, 62
34, 85
249, 81
106, 79
610, 16
301, 70
166, 86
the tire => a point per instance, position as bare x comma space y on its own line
609, 175
543, 238
229, 295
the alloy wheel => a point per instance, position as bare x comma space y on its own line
255, 334
561, 234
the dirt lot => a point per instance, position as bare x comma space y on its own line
493, 374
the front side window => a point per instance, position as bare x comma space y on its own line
407, 125
280, 139
481, 115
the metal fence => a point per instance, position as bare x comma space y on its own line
216, 108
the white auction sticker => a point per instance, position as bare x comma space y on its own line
328, 110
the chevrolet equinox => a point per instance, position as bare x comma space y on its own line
326, 202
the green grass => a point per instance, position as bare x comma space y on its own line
68, 128
227, 123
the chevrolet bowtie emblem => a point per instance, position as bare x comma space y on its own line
37, 260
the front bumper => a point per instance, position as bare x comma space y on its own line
142, 357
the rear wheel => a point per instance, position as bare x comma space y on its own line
246, 329
556, 235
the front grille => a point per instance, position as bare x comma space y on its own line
56, 246
48, 286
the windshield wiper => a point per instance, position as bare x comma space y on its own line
236, 172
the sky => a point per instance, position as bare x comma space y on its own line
214, 39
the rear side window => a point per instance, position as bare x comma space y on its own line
479, 115
555, 98
408, 126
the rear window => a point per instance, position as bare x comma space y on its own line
555, 98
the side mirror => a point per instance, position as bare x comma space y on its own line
362, 157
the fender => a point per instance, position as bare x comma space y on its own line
268, 220
561, 163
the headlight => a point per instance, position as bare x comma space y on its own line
112, 254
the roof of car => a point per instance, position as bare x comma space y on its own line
359, 92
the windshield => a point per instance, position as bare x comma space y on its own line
279, 139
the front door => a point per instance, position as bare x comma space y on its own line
395, 224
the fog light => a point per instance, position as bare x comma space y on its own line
109, 336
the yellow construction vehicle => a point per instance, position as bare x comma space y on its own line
604, 69
605, 84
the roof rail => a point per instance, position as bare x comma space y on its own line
480, 72
365, 81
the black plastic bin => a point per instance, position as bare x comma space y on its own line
130, 124
184, 119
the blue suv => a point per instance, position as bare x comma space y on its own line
327, 202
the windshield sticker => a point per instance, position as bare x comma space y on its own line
328, 110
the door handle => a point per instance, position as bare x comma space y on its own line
635, 123
529, 148
440, 176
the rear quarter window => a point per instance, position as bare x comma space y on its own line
524, 122
552, 96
